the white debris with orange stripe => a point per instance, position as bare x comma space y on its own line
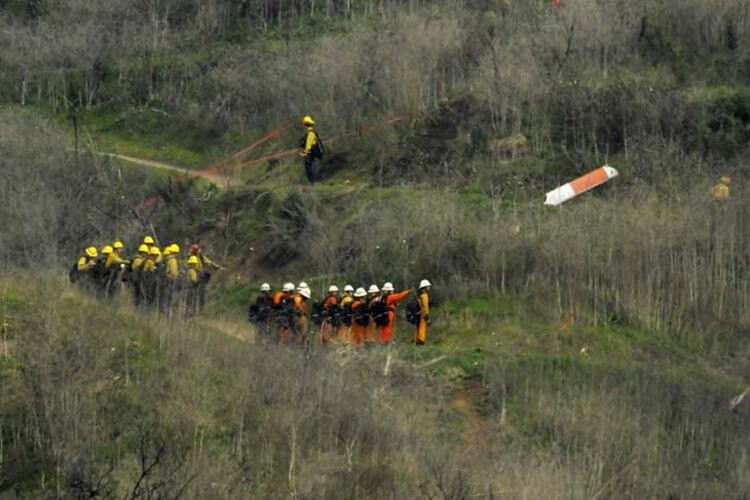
580, 185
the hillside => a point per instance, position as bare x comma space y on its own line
592, 350
99, 401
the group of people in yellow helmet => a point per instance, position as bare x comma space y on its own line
158, 277
354, 317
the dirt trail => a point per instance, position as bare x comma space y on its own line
478, 430
216, 178
234, 329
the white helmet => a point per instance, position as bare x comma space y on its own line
388, 287
333, 289
302, 285
360, 292
373, 289
349, 288
305, 292
288, 287
265, 287
424, 284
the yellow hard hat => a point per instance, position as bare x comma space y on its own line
91, 252
725, 179
154, 251
167, 251
107, 250
148, 240
143, 248
307, 120
174, 248
117, 245
193, 260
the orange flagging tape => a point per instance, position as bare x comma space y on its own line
273, 134
148, 203
227, 164
367, 128
221, 168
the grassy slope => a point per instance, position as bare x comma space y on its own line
509, 384
513, 368
177, 383
510, 326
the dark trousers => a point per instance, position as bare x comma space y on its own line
310, 168
191, 299
137, 290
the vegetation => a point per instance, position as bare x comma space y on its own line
101, 402
585, 351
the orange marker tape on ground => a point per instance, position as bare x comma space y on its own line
228, 164
221, 168
273, 134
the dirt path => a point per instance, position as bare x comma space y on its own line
219, 180
234, 329
477, 428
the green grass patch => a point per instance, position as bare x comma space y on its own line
149, 134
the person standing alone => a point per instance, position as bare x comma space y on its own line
312, 148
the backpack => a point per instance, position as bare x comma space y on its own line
253, 313
379, 311
317, 313
277, 300
99, 272
333, 314
346, 314
317, 149
259, 311
413, 310
361, 315
73, 274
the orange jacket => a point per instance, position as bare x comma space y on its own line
358, 301
278, 297
300, 305
358, 331
391, 300
330, 302
356, 304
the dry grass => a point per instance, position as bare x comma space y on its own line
95, 390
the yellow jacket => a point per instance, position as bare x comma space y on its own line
192, 275
424, 303
346, 299
173, 268
137, 263
311, 139
112, 259
720, 191
204, 261
149, 265
85, 264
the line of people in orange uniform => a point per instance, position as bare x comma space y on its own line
355, 317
